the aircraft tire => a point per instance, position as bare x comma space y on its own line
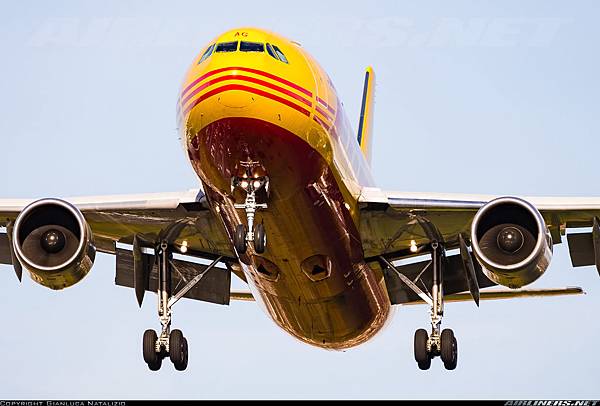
260, 238
239, 239
420, 345
184, 363
178, 350
449, 350
156, 366
151, 357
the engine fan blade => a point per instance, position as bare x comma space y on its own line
489, 245
32, 248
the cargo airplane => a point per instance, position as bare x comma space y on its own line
287, 204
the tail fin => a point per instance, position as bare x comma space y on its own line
365, 124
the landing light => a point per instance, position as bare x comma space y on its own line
256, 184
244, 184
183, 249
413, 246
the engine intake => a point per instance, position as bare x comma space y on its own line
511, 242
54, 243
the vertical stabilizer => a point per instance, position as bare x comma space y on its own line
365, 124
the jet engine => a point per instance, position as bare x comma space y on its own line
53, 241
511, 242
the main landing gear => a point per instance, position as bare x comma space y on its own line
442, 343
252, 179
171, 343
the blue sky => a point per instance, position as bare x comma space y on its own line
472, 96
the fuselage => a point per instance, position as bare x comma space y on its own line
251, 95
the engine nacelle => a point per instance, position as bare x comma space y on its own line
52, 240
511, 242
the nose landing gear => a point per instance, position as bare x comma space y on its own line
252, 179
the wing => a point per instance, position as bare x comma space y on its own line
391, 220
117, 218
399, 225
182, 218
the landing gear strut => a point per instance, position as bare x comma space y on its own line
169, 343
251, 180
442, 343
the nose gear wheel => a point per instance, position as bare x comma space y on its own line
250, 181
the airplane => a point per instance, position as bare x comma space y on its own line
266, 133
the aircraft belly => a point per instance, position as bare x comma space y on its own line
312, 278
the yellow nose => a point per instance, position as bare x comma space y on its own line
236, 99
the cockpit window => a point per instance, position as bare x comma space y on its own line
207, 53
246, 46
271, 52
227, 47
280, 54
